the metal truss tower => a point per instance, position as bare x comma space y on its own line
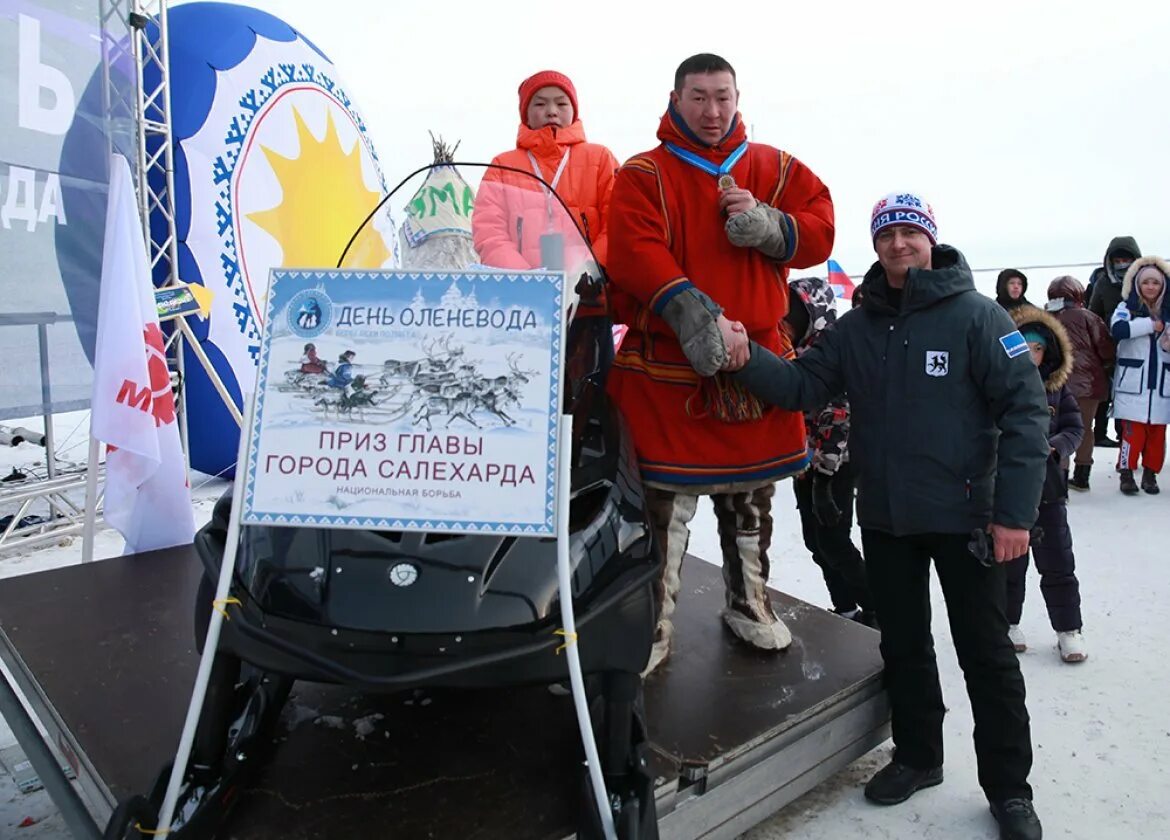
134, 48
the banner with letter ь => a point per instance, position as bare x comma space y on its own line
397, 400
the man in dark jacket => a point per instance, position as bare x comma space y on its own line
1106, 295
949, 442
1119, 256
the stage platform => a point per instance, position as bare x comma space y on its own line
104, 655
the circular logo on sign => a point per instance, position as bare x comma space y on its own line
403, 574
309, 313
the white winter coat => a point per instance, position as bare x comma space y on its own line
1141, 380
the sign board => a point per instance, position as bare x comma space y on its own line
185, 299
409, 401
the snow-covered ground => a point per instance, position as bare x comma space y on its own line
1098, 728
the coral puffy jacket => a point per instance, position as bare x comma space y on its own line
511, 211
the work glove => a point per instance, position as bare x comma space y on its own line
691, 314
824, 505
761, 227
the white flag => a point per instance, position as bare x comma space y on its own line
147, 497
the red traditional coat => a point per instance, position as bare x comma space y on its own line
666, 233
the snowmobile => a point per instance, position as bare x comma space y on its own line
288, 604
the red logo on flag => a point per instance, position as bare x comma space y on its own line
156, 398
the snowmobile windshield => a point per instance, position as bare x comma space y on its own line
474, 216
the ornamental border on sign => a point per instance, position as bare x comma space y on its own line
544, 528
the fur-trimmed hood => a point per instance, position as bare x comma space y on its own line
1058, 356
1129, 293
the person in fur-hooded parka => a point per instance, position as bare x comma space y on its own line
1052, 351
1141, 389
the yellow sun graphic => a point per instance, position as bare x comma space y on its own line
324, 200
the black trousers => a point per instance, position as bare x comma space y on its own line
1057, 567
899, 579
1101, 422
832, 546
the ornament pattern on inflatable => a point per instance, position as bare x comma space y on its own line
274, 168
253, 105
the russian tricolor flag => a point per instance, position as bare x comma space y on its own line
839, 281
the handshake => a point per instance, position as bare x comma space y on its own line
709, 340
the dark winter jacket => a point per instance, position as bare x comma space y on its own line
950, 425
811, 309
1001, 292
1107, 289
1095, 276
1066, 428
1093, 349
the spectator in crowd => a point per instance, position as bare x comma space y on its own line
1052, 353
1010, 289
1106, 295
1141, 394
1093, 354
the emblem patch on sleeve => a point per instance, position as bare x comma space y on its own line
1014, 344
938, 362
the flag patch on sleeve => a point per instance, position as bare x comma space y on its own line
1014, 344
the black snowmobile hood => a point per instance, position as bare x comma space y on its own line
948, 276
1120, 244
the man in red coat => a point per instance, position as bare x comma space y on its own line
706, 210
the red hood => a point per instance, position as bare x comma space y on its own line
547, 141
672, 129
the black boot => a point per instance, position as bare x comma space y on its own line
1128, 485
896, 783
1017, 820
1150, 481
1080, 477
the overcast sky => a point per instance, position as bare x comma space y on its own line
1038, 130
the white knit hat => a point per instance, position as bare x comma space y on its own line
904, 209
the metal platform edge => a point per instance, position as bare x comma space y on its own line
94, 795
746, 790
